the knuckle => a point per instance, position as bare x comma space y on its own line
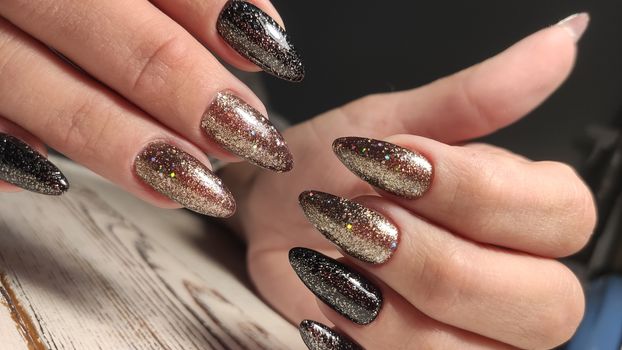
575, 204
443, 281
157, 59
559, 321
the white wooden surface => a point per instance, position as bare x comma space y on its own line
98, 269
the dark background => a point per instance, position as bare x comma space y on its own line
353, 48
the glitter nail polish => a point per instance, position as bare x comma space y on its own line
361, 232
337, 285
184, 179
317, 336
24, 167
256, 36
387, 166
244, 131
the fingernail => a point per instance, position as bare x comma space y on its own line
317, 336
256, 36
184, 179
340, 287
24, 167
387, 166
244, 131
575, 24
357, 230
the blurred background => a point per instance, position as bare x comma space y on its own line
354, 48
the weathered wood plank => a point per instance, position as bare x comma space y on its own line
97, 269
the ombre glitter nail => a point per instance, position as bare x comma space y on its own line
244, 131
361, 232
387, 166
256, 36
317, 336
340, 287
181, 177
24, 167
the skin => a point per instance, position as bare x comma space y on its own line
475, 268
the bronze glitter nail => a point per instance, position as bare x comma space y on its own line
361, 232
337, 285
24, 167
181, 177
256, 36
317, 336
387, 166
244, 131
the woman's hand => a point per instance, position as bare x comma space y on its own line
142, 99
455, 247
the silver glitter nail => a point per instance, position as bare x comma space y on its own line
256, 36
317, 336
340, 287
181, 177
387, 166
361, 232
22, 166
245, 132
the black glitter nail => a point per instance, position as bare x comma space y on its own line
317, 336
24, 167
256, 36
346, 291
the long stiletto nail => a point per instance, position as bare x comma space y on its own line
256, 36
317, 336
22, 166
340, 287
387, 166
244, 131
575, 24
181, 177
361, 232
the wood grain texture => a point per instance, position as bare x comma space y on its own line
98, 269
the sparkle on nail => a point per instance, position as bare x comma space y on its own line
349, 226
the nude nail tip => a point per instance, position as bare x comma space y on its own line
359, 231
576, 24
24, 167
392, 168
260, 39
184, 179
244, 131
338, 286
317, 336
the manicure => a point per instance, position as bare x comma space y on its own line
24, 167
184, 179
244, 131
387, 166
256, 36
340, 287
575, 24
361, 232
317, 336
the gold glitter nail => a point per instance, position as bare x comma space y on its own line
183, 178
387, 166
361, 232
244, 131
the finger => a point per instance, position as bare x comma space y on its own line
23, 163
538, 207
145, 56
224, 27
79, 118
482, 289
397, 325
480, 99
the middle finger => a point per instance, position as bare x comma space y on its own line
144, 55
